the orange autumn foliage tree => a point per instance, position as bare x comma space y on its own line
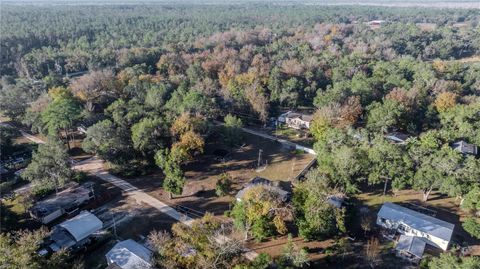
445, 101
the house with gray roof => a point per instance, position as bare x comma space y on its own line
75, 231
66, 201
397, 137
410, 247
432, 231
296, 120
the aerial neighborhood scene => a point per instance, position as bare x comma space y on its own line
248, 134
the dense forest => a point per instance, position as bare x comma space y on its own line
147, 81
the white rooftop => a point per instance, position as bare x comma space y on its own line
82, 225
129, 254
416, 220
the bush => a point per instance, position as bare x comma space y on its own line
80, 176
223, 185
262, 228
40, 191
472, 226
6, 186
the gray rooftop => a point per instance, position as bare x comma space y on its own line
129, 254
464, 147
411, 244
418, 221
259, 181
63, 199
397, 137
301, 116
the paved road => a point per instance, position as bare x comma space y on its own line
94, 166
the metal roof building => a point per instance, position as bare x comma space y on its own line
434, 231
129, 254
412, 245
74, 230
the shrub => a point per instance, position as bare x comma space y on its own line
472, 226
80, 176
223, 185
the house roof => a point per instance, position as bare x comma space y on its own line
397, 137
257, 181
416, 220
63, 199
82, 225
129, 254
301, 116
465, 148
411, 244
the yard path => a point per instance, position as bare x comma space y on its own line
25, 134
95, 167
281, 140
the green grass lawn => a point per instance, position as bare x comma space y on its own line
13, 216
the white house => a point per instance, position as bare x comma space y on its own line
129, 254
296, 120
433, 231
75, 231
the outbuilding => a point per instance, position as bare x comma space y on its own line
129, 254
75, 231
397, 137
268, 184
465, 148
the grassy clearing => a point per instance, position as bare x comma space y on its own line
293, 135
14, 217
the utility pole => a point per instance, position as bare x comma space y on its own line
114, 225
259, 157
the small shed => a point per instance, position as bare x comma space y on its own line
129, 254
433, 231
465, 148
259, 181
397, 137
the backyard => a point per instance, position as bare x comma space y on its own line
277, 162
